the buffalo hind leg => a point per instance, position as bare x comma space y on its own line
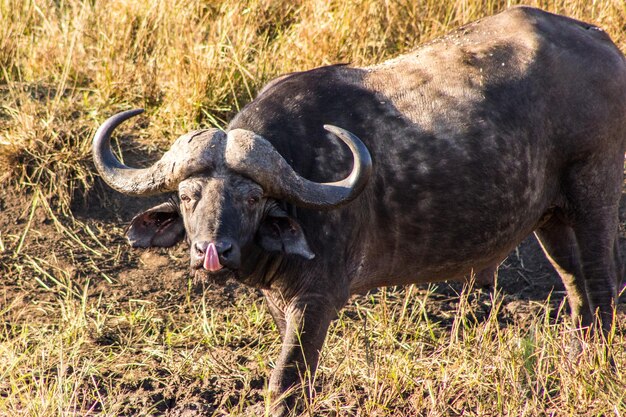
593, 190
558, 242
487, 277
596, 239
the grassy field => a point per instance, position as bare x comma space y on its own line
89, 327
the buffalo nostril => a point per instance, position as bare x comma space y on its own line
201, 247
225, 249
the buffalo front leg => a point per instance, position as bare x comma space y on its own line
306, 322
277, 311
620, 267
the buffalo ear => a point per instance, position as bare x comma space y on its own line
160, 226
280, 233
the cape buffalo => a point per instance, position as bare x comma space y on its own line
455, 153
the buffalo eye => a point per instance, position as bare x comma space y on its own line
185, 198
253, 201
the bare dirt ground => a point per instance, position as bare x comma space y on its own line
160, 277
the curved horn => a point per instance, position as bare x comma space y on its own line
255, 157
188, 154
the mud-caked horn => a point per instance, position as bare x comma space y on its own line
256, 158
189, 154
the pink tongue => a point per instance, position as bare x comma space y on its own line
211, 259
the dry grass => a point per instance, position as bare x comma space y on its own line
69, 347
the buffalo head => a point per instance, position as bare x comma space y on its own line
232, 189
